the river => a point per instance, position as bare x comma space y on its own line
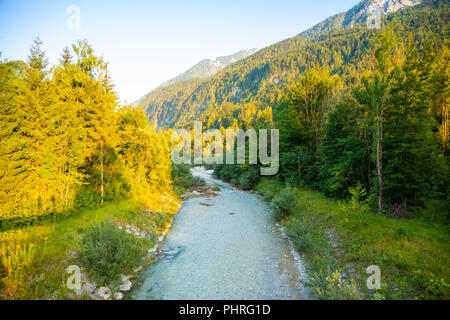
229, 250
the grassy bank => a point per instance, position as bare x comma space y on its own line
339, 240
33, 260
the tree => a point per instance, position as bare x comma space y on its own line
101, 120
344, 152
66, 57
411, 151
387, 55
311, 99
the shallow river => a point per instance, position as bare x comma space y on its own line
230, 250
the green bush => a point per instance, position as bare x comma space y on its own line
302, 236
283, 203
327, 284
426, 280
108, 251
86, 199
268, 188
183, 179
435, 210
401, 232
248, 179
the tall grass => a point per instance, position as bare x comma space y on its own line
33, 259
339, 240
17, 254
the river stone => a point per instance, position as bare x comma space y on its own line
125, 286
206, 204
104, 293
78, 292
124, 277
89, 287
118, 296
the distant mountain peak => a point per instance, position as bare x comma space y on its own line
207, 67
389, 6
357, 14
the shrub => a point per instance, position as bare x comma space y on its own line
435, 210
401, 232
248, 179
302, 236
327, 284
183, 179
268, 188
426, 280
283, 203
358, 194
108, 251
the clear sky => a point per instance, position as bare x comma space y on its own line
148, 42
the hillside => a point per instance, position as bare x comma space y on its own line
261, 79
207, 67
357, 15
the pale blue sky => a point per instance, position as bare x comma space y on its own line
148, 42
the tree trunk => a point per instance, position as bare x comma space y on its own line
102, 189
299, 167
369, 173
380, 161
445, 118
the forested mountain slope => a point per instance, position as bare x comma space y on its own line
357, 14
207, 67
261, 79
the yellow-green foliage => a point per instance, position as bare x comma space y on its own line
65, 142
35, 258
17, 254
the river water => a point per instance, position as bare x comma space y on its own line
229, 250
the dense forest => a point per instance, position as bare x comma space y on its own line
364, 170
262, 78
384, 141
66, 142
358, 110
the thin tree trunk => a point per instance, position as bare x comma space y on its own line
369, 174
299, 166
102, 189
380, 161
445, 116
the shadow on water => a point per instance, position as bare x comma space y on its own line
229, 250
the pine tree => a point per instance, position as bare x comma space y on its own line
410, 149
66, 57
374, 93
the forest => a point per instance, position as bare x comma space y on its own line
262, 78
75, 165
66, 143
385, 140
376, 145
364, 174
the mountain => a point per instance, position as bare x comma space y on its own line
356, 15
259, 81
207, 67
